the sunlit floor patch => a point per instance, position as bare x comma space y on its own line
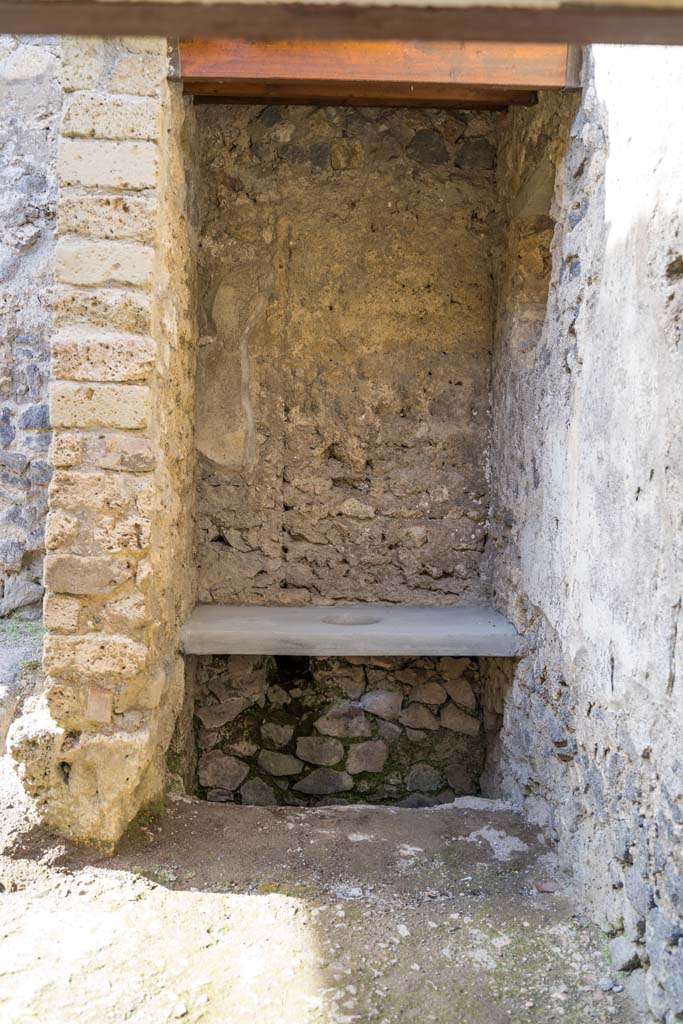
220, 914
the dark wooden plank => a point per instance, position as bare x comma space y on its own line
360, 94
567, 23
509, 65
574, 65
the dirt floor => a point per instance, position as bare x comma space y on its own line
219, 913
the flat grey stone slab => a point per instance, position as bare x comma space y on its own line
372, 629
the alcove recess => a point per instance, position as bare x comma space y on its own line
344, 646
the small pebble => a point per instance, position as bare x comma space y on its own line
605, 984
180, 1010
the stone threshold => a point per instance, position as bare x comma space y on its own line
342, 630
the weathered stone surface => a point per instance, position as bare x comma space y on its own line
105, 284
258, 793
107, 405
419, 800
279, 764
589, 717
82, 62
30, 101
75, 491
429, 693
11, 555
111, 308
344, 720
95, 806
428, 147
278, 696
216, 715
424, 777
138, 75
93, 655
278, 735
103, 262
319, 750
339, 674
455, 719
109, 216
99, 116
459, 689
221, 771
417, 716
292, 728
100, 164
99, 705
346, 154
459, 780
383, 703
324, 782
76, 574
367, 757
298, 510
61, 614
624, 955
29, 62
475, 154
219, 796
357, 494
85, 355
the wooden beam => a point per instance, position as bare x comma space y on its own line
507, 65
512, 21
372, 72
360, 94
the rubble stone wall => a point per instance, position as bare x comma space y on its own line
587, 478
343, 375
31, 102
118, 572
405, 731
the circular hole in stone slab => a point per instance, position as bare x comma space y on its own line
351, 619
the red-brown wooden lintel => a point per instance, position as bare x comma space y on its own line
380, 72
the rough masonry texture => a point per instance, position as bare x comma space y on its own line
344, 361
31, 102
334, 730
439, 360
587, 471
118, 571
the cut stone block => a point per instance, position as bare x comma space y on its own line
349, 629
